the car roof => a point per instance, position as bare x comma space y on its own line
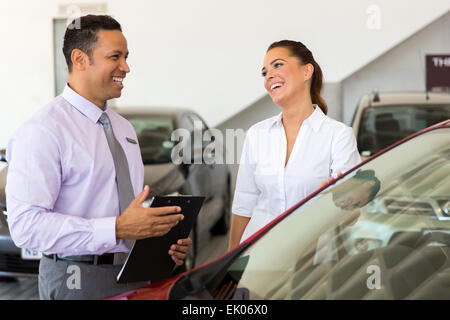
404, 97
154, 111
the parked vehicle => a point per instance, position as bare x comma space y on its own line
12, 263
387, 117
154, 128
381, 231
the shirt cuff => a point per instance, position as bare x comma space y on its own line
104, 233
244, 203
241, 211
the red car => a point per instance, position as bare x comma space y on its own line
381, 231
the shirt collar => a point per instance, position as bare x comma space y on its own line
86, 107
277, 120
314, 120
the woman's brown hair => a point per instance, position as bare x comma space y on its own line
300, 51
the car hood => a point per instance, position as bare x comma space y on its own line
163, 178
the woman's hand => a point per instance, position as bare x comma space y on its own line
330, 179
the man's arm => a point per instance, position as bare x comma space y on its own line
33, 186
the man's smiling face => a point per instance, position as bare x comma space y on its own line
107, 66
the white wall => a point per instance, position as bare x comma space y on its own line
401, 68
202, 54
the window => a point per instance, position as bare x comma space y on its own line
382, 126
60, 65
329, 246
154, 138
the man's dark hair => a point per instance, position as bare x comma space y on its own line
82, 34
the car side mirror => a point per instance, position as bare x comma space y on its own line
3, 155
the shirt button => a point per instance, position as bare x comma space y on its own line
105, 246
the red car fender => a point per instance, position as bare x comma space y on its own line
156, 291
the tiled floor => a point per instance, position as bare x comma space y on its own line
26, 288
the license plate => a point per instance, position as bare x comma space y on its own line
28, 254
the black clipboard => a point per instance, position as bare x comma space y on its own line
149, 259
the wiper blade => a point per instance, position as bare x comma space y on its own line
207, 277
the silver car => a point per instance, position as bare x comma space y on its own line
383, 118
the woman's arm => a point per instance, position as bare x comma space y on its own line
245, 196
238, 224
344, 152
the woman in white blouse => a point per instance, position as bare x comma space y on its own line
288, 156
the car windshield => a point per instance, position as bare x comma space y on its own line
382, 126
383, 232
153, 134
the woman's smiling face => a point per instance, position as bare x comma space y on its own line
285, 77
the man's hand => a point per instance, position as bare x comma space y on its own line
137, 222
179, 250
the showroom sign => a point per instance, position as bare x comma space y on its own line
438, 72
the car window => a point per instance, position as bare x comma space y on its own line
381, 233
382, 126
154, 134
3, 155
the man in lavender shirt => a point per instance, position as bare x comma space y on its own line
61, 190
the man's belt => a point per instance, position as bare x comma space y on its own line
106, 258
